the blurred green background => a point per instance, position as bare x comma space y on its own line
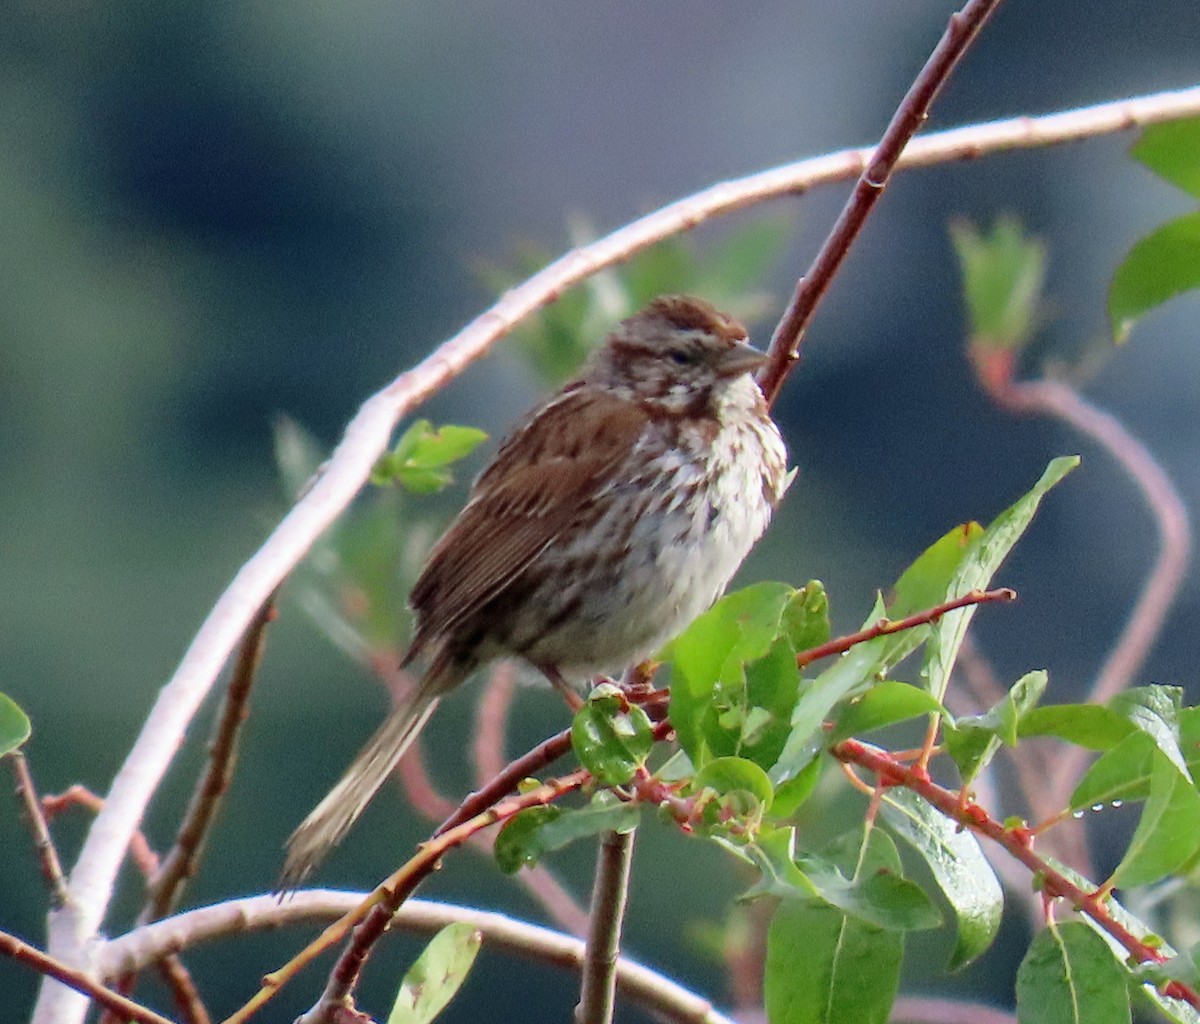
215, 213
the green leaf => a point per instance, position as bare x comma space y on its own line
1172, 151
1155, 711
773, 852
437, 975
1003, 274
871, 889
735, 774
1069, 976
14, 725
536, 831
924, 583
806, 616
826, 968
603, 813
790, 795
519, 842
421, 455
611, 737
884, 704
958, 866
1168, 833
1086, 725
1122, 773
1164, 264
709, 678
920, 586
816, 954
976, 570
974, 740
882, 898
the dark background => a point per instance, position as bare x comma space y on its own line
214, 213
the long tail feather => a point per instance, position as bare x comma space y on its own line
333, 816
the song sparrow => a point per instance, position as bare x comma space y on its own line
611, 517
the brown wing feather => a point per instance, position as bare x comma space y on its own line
540, 478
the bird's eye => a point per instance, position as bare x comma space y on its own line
681, 358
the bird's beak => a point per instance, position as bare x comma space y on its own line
739, 359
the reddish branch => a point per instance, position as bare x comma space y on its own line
1017, 841
539, 881
883, 627
140, 851
47, 852
125, 1009
181, 862
368, 922
175, 974
909, 116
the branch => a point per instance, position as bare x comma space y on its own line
609, 895
841, 644
180, 864
1018, 841
91, 882
545, 753
784, 351
22, 952
370, 919
43, 844
539, 881
144, 945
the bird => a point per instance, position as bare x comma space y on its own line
612, 515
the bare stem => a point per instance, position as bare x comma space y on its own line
597, 998
43, 844
910, 115
884, 627
181, 861
126, 1009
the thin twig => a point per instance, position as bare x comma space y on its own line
140, 851
885, 627
166, 885
367, 922
183, 990
505, 782
597, 992
178, 979
91, 881
1056, 398
126, 1009
539, 881
641, 985
784, 352
43, 844
181, 861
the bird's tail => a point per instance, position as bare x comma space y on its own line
333, 816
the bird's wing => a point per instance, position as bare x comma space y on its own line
540, 479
